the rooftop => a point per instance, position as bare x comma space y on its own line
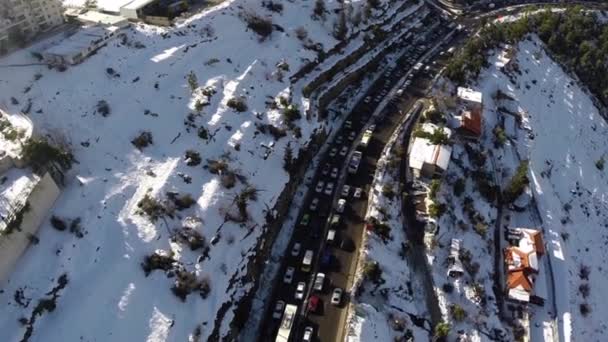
136, 4
469, 95
15, 187
102, 18
81, 40
423, 151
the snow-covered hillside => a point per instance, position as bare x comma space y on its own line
144, 81
566, 140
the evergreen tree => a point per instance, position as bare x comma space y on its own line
192, 81
288, 158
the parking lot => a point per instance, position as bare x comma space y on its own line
331, 224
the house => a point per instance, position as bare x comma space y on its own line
135, 9
21, 20
470, 124
426, 159
94, 18
471, 99
522, 266
157, 12
80, 45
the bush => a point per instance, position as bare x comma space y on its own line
301, 33
181, 202
584, 290
434, 188
585, 309
238, 104
260, 25
103, 108
203, 133
599, 164
481, 229
518, 183
387, 191
442, 329
273, 6
143, 140
372, 271
459, 187
191, 237
448, 288
500, 137
193, 158
457, 312
292, 113
436, 209
38, 153
383, 230
151, 207
58, 223
157, 261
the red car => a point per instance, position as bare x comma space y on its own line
313, 303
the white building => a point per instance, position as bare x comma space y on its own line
21, 20
134, 9
79, 46
427, 159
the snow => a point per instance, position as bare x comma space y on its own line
108, 297
563, 136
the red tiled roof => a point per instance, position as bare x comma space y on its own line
471, 121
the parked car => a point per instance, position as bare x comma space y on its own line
334, 173
307, 337
320, 186
358, 193
305, 220
300, 290
331, 236
352, 135
339, 140
333, 152
341, 205
344, 151
313, 303
325, 169
345, 190
329, 188
367, 99
278, 310
295, 250
314, 204
288, 276
336, 296
348, 124
319, 282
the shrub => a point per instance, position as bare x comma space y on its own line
448, 288
387, 191
481, 228
103, 108
292, 113
457, 312
518, 182
193, 158
238, 104
500, 137
383, 230
584, 272
38, 153
301, 33
372, 271
151, 207
203, 133
273, 6
434, 188
260, 25
157, 261
143, 140
198, 105
442, 329
319, 9
436, 209
479, 292
584, 290
217, 166
599, 164
192, 81
58, 223
585, 309
435, 116
191, 237
459, 187
228, 179
181, 202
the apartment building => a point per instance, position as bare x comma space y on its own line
21, 20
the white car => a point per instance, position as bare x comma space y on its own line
278, 310
345, 190
314, 204
334, 173
371, 127
329, 188
325, 169
319, 281
288, 277
352, 136
295, 251
344, 151
333, 152
307, 334
341, 205
348, 124
336, 296
320, 186
300, 290
358, 193
367, 99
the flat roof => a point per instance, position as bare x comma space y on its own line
80, 41
423, 151
137, 4
102, 18
469, 94
15, 188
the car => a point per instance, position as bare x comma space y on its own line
339, 140
313, 303
305, 220
348, 124
288, 276
336, 296
325, 169
367, 99
319, 282
352, 135
307, 337
320, 186
278, 310
341, 205
344, 151
345, 190
314, 204
334, 173
371, 127
329, 188
300, 290
295, 250
331, 236
333, 152
358, 193
347, 244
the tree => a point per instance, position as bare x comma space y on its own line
340, 28
373, 3
442, 329
518, 182
319, 10
192, 81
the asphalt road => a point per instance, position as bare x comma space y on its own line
328, 321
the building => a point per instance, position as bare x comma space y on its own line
80, 45
21, 20
470, 125
471, 99
426, 159
455, 268
522, 266
94, 18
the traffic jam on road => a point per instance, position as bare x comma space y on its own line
314, 271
